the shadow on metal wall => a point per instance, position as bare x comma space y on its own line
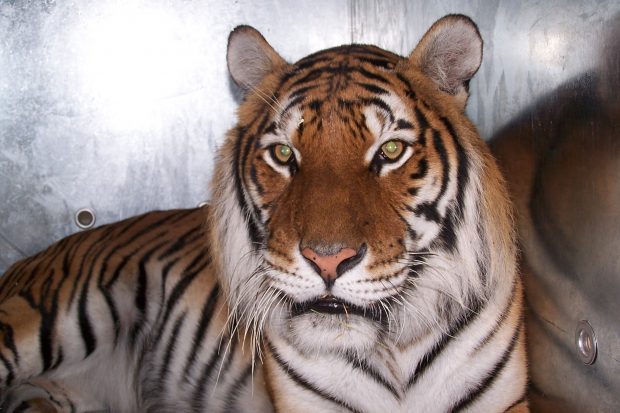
561, 158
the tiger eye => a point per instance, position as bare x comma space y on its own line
392, 149
282, 153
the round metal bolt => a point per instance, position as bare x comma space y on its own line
85, 218
585, 341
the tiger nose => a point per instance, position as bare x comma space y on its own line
330, 267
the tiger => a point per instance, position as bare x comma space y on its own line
357, 255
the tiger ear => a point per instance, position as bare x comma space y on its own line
450, 54
250, 58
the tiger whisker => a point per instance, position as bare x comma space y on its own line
268, 99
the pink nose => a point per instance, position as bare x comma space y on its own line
327, 265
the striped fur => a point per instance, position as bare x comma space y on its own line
221, 308
126, 317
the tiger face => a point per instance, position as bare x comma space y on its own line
348, 193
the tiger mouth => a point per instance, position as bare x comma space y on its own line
333, 305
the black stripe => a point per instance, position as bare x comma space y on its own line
72, 408
163, 282
490, 377
238, 165
96, 248
362, 365
463, 167
302, 90
370, 75
140, 295
310, 61
428, 210
170, 347
422, 125
408, 88
455, 214
23, 407
354, 129
403, 124
381, 104
468, 316
200, 262
415, 270
105, 287
373, 88
48, 296
47, 305
309, 77
115, 232
347, 105
48, 321
9, 367
315, 105
225, 365
200, 388
447, 236
142, 280
422, 169
235, 390
294, 102
9, 342
86, 327
254, 178
303, 383
59, 358
412, 233
500, 320
383, 63
445, 164
106, 291
200, 334
370, 51
194, 234
271, 129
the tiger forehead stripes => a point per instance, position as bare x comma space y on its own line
357, 256
338, 113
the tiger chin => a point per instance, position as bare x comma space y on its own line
357, 255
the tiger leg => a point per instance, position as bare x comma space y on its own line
42, 395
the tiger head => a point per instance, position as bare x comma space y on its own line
354, 202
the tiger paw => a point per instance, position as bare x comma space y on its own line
45, 396
28, 398
38, 405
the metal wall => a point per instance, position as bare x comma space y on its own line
118, 106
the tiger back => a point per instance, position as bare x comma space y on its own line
357, 256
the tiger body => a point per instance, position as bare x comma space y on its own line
357, 256
102, 315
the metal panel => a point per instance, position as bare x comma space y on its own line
562, 160
118, 106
